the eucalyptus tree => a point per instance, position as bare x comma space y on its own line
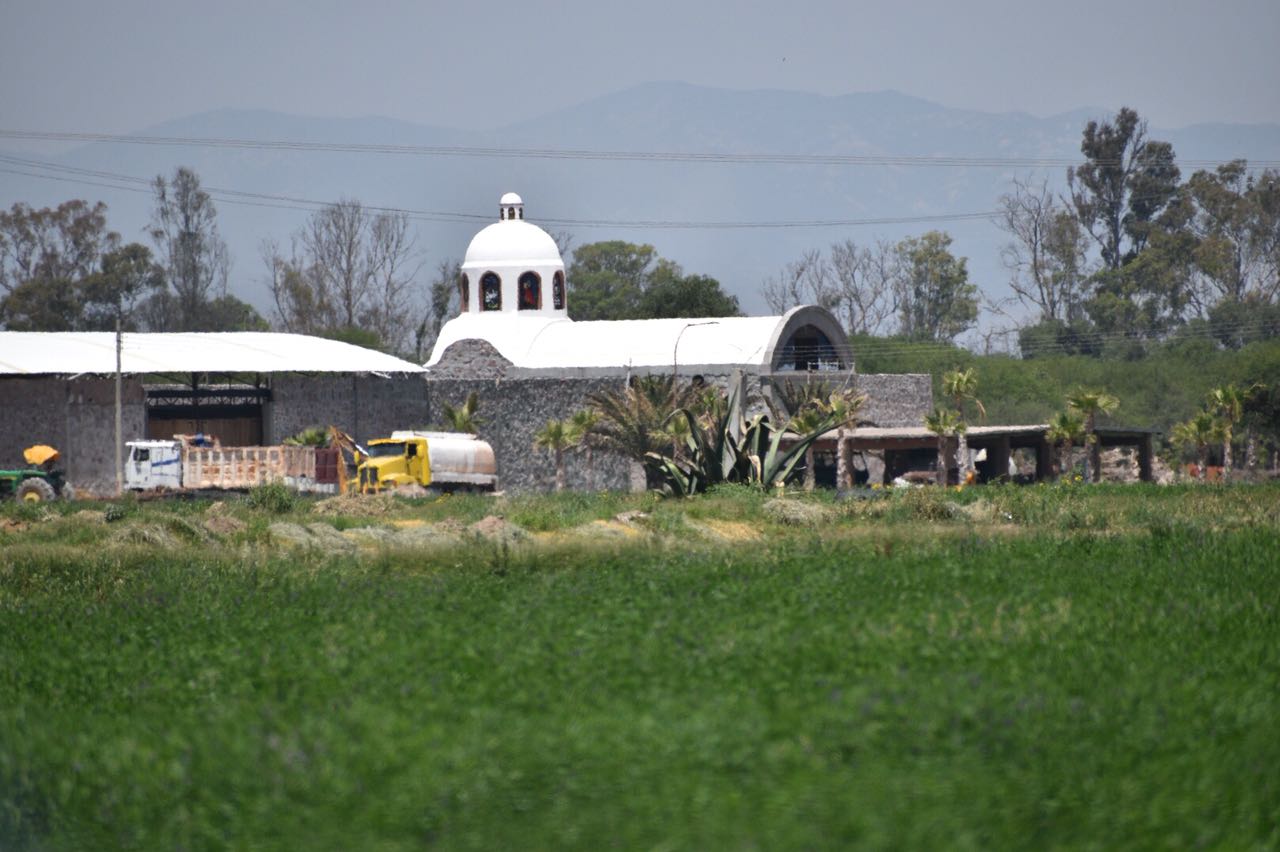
935, 299
1124, 184
1047, 253
184, 227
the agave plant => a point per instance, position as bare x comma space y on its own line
723, 446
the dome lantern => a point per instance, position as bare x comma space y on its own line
510, 208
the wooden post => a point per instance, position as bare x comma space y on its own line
1044, 459
1144, 458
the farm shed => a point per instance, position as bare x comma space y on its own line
247, 388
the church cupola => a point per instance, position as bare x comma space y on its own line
513, 267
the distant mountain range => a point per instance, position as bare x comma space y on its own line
656, 117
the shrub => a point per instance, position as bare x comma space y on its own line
274, 497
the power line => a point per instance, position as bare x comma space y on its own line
792, 159
92, 177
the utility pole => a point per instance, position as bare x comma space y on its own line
119, 427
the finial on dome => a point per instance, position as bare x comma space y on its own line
510, 207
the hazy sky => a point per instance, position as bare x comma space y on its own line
120, 66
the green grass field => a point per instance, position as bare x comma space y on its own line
1000, 668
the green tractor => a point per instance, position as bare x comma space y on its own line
39, 482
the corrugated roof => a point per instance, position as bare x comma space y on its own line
547, 342
27, 353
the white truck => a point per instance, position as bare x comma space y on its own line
159, 465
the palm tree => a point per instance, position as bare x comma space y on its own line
962, 386
312, 436
555, 436
677, 430
582, 425
1089, 404
463, 419
844, 405
807, 419
946, 424
630, 420
1200, 431
1065, 429
1228, 403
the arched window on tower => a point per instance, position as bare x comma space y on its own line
530, 292
557, 291
490, 292
464, 293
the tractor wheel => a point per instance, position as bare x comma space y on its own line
35, 490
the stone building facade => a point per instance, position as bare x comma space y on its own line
515, 403
516, 348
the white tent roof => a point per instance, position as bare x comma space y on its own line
76, 352
551, 342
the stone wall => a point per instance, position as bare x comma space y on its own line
893, 399
896, 399
363, 406
512, 411
77, 417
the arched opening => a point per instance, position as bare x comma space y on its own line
464, 293
530, 292
511, 214
557, 291
808, 349
490, 292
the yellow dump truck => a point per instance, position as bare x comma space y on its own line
442, 461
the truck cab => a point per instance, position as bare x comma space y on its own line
153, 465
392, 462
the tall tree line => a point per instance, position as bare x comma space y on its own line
1129, 251
63, 269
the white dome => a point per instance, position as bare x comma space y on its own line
513, 266
513, 242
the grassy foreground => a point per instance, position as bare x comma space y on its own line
1054, 668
